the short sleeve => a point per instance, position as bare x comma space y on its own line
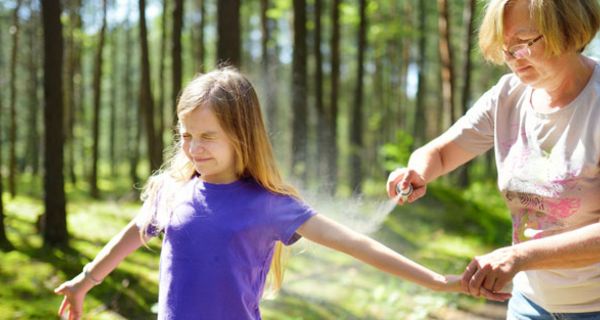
287, 214
474, 131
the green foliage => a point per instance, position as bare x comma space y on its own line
397, 153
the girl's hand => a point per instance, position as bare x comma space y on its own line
405, 177
451, 284
74, 291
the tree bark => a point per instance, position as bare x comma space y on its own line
419, 125
332, 169
146, 99
12, 135
447, 71
229, 33
97, 85
4, 242
468, 18
132, 129
299, 91
356, 132
176, 58
322, 125
54, 227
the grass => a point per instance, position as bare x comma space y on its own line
442, 231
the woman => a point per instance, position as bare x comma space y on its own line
541, 121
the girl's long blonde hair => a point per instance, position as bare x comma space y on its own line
235, 104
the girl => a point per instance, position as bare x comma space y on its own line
225, 213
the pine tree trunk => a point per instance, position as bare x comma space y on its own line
146, 100
299, 92
356, 133
322, 124
419, 125
176, 58
229, 33
97, 85
12, 135
332, 170
447, 68
54, 227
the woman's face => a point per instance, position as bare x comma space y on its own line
207, 146
533, 69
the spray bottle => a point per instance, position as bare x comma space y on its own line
404, 193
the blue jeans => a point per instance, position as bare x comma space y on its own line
521, 308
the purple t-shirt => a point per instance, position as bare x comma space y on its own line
217, 248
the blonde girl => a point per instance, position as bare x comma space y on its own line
225, 213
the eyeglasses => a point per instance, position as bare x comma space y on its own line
522, 50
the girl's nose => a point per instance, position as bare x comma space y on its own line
196, 147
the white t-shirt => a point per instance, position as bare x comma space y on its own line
549, 175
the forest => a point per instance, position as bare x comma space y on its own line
348, 89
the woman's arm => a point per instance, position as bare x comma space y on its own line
572, 249
435, 159
74, 290
338, 237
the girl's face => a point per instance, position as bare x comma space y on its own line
533, 69
207, 146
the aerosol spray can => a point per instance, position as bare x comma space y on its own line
404, 193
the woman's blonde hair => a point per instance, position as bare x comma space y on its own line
234, 102
566, 25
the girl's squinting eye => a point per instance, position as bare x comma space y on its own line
186, 136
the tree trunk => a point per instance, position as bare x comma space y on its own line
468, 17
114, 80
146, 99
447, 68
356, 132
54, 227
197, 36
32, 153
299, 92
97, 85
332, 169
132, 129
228, 32
322, 125
419, 125
4, 242
176, 58
12, 135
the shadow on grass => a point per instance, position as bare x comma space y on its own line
295, 306
123, 292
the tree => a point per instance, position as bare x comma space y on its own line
132, 128
161, 70
95, 193
419, 126
332, 169
176, 55
299, 91
54, 226
468, 18
12, 136
146, 101
4, 242
356, 132
229, 32
32, 154
447, 71
322, 124
198, 42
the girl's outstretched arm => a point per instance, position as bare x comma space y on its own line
331, 234
74, 290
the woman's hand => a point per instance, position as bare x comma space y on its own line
405, 177
74, 291
489, 274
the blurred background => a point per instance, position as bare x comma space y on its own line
348, 89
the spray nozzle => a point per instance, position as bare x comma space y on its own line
404, 193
